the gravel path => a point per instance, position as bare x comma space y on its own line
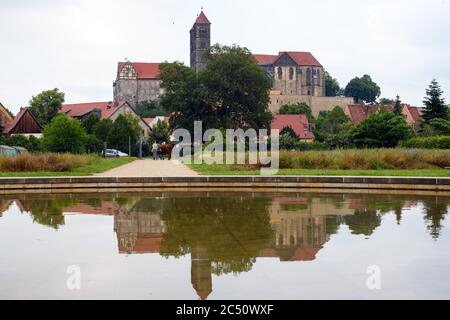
150, 168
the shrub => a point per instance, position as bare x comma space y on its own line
365, 159
44, 162
64, 134
438, 142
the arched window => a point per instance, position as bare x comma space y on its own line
291, 73
280, 73
308, 77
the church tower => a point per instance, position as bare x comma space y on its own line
200, 42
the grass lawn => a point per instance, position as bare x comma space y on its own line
98, 166
224, 170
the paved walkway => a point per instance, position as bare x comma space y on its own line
150, 168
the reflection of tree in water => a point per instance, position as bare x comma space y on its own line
230, 230
49, 212
435, 211
363, 223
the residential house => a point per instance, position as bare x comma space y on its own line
359, 112
298, 122
24, 123
5, 116
104, 110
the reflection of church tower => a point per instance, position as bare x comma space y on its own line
200, 42
201, 273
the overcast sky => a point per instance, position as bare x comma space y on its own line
75, 45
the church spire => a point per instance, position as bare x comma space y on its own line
200, 42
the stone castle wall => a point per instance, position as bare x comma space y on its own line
317, 104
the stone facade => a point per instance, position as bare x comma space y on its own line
137, 82
317, 104
200, 42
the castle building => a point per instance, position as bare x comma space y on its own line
294, 73
297, 76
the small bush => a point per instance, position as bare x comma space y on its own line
437, 142
44, 162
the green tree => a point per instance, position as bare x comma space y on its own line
150, 109
386, 101
332, 87
231, 92
435, 106
398, 106
64, 134
363, 89
46, 105
440, 127
102, 130
288, 138
89, 122
333, 127
160, 133
125, 129
298, 108
381, 130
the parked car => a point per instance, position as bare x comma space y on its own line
112, 153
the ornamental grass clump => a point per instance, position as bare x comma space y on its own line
44, 162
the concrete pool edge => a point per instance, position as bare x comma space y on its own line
100, 184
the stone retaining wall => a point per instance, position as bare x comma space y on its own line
99, 184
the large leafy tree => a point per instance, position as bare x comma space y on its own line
231, 92
363, 89
64, 134
89, 122
332, 87
333, 127
102, 130
381, 129
435, 106
46, 105
298, 108
160, 133
150, 109
125, 132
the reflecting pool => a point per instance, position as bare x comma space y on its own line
224, 246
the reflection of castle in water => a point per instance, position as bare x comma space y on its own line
227, 234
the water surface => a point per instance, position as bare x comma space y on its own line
225, 246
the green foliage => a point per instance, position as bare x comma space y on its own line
231, 92
150, 109
64, 134
94, 144
31, 143
440, 127
386, 101
333, 128
398, 106
160, 133
89, 122
46, 105
298, 108
332, 87
436, 142
435, 106
381, 129
102, 130
125, 129
363, 89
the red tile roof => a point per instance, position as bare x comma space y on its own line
145, 243
265, 58
17, 119
107, 208
301, 58
415, 114
202, 19
81, 109
147, 120
298, 122
360, 112
145, 70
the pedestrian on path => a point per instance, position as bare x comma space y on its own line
155, 150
